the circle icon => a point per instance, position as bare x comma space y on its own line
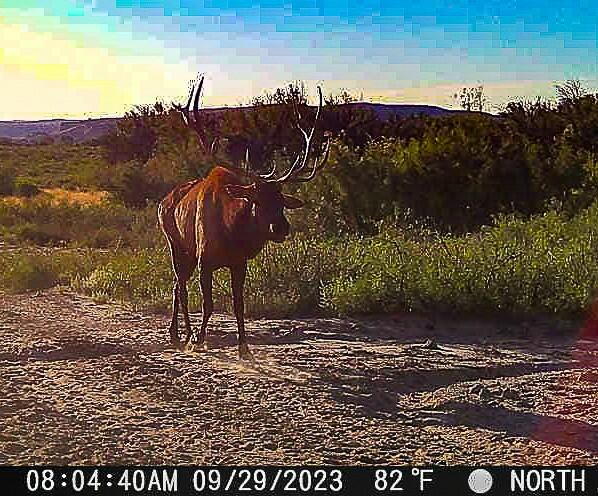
480, 481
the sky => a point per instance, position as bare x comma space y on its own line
92, 58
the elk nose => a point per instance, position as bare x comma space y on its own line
279, 229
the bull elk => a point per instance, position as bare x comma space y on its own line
225, 219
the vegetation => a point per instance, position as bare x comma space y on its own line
54, 165
465, 213
105, 225
547, 265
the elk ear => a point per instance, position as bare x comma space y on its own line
292, 202
241, 192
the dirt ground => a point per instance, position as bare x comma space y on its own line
84, 383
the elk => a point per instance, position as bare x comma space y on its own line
225, 219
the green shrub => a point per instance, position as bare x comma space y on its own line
55, 165
284, 279
25, 186
28, 273
105, 225
142, 277
548, 264
7, 180
545, 265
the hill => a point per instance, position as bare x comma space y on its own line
81, 131
386, 111
73, 131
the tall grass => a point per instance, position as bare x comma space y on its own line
283, 280
41, 221
33, 269
548, 264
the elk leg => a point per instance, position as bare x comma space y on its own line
174, 324
184, 267
183, 296
175, 256
238, 281
205, 280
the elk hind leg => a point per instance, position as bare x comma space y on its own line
184, 273
183, 266
174, 324
205, 279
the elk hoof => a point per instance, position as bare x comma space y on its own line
244, 353
199, 347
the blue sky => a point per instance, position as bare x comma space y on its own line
99, 57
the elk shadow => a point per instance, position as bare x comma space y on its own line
78, 349
374, 393
410, 329
273, 332
551, 430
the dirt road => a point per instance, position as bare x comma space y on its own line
82, 383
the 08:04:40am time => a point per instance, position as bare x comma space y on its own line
138, 480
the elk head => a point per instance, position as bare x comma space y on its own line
264, 191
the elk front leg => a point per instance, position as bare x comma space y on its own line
238, 282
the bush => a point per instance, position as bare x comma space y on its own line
28, 273
26, 187
104, 225
283, 280
6, 181
545, 265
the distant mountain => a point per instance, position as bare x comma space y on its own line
73, 131
80, 131
386, 111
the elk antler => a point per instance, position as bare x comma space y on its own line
190, 114
318, 166
194, 123
254, 175
292, 174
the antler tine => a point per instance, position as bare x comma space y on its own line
185, 110
304, 156
247, 168
253, 175
297, 113
214, 145
196, 101
271, 173
193, 107
318, 166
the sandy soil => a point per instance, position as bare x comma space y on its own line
83, 383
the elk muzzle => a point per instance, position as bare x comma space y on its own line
279, 231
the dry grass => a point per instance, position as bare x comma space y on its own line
86, 198
60, 195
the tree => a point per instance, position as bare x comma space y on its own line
569, 91
472, 99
